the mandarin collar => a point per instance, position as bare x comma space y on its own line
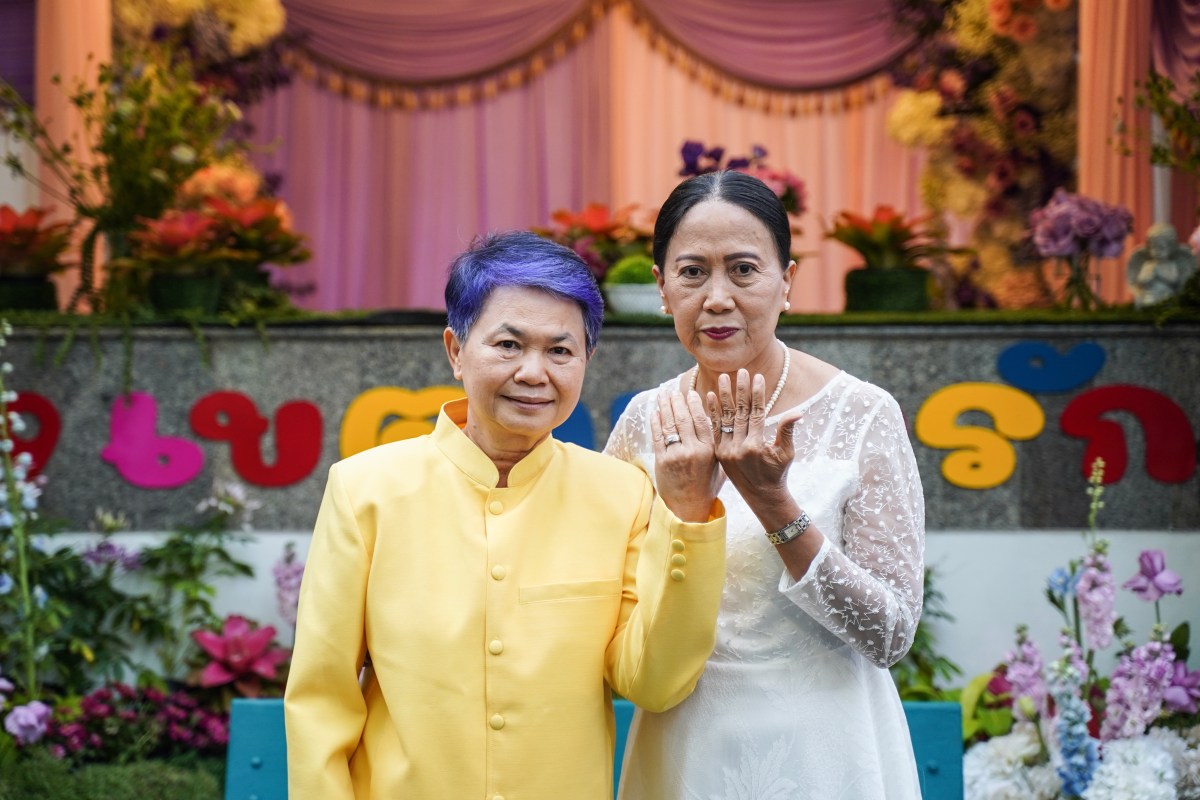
448, 436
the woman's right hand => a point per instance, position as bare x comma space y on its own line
686, 471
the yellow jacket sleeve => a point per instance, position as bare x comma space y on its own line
674, 574
324, 711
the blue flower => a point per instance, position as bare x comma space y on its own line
40, 597
6, 583
1062, 583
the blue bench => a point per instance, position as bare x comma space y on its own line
257, 764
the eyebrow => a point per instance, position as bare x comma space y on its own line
730, 257
520, 334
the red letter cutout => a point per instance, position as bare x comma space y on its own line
233, 417
41, 445
1170, 442
142, 456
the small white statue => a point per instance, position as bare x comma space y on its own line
1159, 268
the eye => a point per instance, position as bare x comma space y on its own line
691, 272
743, 269
508, 346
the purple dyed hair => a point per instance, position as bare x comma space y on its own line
520, 258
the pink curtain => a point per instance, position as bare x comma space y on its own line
73, 37
1114, 52
421, 42
789, 44
1175, 52
388, 196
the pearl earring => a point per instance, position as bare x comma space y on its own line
787, 305
663, 308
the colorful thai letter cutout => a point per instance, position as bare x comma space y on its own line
983, 458
139, 454
389, 414
47, 427
1039, 367
233, 417
1170, 440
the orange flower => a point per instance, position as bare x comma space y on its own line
1022, 29
175, 232
596, 219
26, 246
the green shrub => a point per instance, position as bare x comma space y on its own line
48, 779
636, 268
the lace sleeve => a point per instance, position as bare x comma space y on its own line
626, 439
870, 594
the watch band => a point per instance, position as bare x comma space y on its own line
790, 531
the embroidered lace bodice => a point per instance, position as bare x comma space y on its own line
855, 475
795, 702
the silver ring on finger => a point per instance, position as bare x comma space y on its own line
672, 438
726, 429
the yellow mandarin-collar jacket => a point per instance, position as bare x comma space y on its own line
496, 619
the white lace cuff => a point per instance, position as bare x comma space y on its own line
790, 587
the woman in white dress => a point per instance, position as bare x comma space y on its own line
825, 536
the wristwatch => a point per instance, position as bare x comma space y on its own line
790, 531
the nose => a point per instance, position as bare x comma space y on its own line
531, 369
719, 296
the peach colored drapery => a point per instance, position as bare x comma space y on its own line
842, 153
73, 37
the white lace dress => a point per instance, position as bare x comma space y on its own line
796, 700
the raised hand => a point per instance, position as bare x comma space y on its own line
755, 466
685, 465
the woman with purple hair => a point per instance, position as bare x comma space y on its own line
498, 582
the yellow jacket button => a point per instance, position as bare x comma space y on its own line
495, 506
498, 572
495, 647
677, 545
497, 722
677, 575
679, 559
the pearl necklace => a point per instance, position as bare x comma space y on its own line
783, 376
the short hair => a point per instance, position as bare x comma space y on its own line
738, 188
520, 258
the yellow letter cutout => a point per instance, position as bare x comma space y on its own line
983, 458
389, 414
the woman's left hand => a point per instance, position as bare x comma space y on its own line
755, 466
686, 472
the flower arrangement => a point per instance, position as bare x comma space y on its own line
149, 126
990, 95
699, 160
887, 240
602, 237
1061, 729
28, 245
1074, 228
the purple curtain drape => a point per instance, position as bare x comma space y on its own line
423, 42
17, 45
1175, 39
787, 44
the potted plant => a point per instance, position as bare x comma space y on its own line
29, 253
178, 260
892, 248
630, 288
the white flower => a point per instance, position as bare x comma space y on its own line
1133, 768
1184, 756
998, 769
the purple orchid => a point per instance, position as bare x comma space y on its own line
1184, 690
1153, 579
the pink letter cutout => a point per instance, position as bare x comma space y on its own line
1170, 441
143, 457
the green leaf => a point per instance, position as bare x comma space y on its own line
1179, 641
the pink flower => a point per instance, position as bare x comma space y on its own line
241, 655
1153, 579
1184, 690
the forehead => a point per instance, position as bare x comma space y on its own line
717, 222
530, 311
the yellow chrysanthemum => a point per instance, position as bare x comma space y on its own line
963, 197
252, 23
914, 121
971, 27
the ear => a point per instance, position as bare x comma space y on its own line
453, 352
658, 278
788, 274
